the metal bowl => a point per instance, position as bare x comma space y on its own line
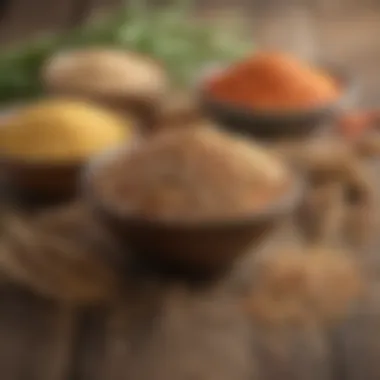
276, 124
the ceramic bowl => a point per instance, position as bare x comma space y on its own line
36, 181
195, 247
40, 181
276, 124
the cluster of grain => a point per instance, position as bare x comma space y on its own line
192, 174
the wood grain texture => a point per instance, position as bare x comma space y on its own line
163, 333
23, 18
36, 336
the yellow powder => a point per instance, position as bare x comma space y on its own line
61, 130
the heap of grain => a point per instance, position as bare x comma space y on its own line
112, 76
194, 174
61, 131
274, 81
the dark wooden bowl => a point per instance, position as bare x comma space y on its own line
40, 181
267, 125
199, 247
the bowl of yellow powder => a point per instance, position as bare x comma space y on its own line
43, 146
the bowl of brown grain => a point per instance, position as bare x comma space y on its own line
194, 199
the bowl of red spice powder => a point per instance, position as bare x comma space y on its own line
274, 95
191, 201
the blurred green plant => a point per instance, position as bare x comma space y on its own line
171, 35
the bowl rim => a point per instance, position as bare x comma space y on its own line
334, 69
285, 203
30, 163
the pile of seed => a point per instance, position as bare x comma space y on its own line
193, 174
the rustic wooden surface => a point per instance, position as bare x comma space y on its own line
45, 340
20, 19
171, 331
162, 330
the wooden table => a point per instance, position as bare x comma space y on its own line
202, 335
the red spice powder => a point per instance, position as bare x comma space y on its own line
274, 81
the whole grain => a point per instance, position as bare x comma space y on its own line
192, 174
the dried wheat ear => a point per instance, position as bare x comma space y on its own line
340, 201
314, 285
55, 255
304, 287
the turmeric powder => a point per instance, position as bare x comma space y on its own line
61, 131
272, 81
